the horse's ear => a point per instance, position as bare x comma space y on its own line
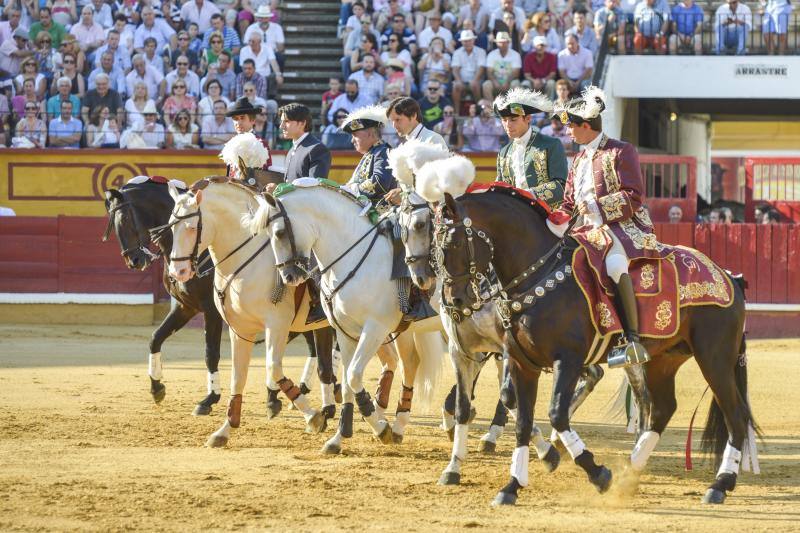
173, 191
270, 199
198, 197
113, 194
450, 208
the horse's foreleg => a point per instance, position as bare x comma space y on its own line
345, 430
175, 320
388, 357
241, 351
213, 336
467, 368
565, 376
372, 335
488, 442
323, 340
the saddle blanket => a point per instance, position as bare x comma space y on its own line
663, 286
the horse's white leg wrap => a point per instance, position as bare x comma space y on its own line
400, 422
494, 433
308, 370
214, 385
553, 436
448, 420
459, 454
302, 404
154, 367
271, 383
572, 442
541, 445
644, 447
336, 440
730, 461
519, 464
327, 394
377, 424
224, 431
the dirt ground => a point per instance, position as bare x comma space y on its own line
83, 447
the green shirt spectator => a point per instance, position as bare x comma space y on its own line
46, 23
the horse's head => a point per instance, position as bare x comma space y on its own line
190, 233
291, 240
132, 235
416, 220
463, 254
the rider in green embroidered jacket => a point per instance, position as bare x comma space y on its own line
531, 160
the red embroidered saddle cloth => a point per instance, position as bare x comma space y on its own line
663, 286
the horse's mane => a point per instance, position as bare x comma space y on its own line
507, 191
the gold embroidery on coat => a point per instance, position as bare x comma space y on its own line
610, 173
612, 205
540, 164
663, 315
717, 288
605, 315
640, 239
597, 238
643, 215
648, 276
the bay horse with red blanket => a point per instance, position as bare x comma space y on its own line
545, 327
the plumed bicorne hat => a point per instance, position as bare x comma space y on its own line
583, 108
365, 117
521, 102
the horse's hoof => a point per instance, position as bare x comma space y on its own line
450, 478
551, 459
385, 436
714, 496
317, 423
201, 410
158, 390
472, 414
331, 448
451, 433
504, 498
216, 441
487, 446
273, 408
205, 405
397, 438
329, 411
602, 481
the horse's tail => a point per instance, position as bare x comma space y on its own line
715, 437
431, 349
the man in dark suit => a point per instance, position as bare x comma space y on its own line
308, 157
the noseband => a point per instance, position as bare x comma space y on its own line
112, 213
411, 208
192, 257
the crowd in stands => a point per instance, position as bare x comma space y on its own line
763, 214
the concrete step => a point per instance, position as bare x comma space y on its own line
321, 30
327, 7
322, 54
302, 61
305, 86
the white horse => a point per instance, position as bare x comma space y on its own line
244, 281
360, 299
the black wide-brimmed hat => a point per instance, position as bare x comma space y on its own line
243, 107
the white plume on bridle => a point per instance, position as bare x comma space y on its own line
521, 95
452, 176
246, 146
406, 160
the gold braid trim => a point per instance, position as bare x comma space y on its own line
648, 276
663, 314
697, 289
612, 205
605, 315
540, 164
610, 173
640, 239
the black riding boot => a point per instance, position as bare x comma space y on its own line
631, 352
315, 311
419, 305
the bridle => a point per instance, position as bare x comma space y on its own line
112, 213
408, 209
295, 259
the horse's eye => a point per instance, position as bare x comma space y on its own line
279, 234
419, 226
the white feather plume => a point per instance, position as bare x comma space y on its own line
374, 112
409, 157
428, 183
452, 175
594, 102
246, 146
521, 95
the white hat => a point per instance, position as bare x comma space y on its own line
502, 37
150, 108
467, 35
263, 12
539, 40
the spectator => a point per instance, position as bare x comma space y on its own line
369, 81
103, 129
475, 11
354, 21
24, 97
386, 10
183, 133
271, 32
432, 105
31, 127
775, 24
195, 38
355, 37
449, 129
557, 129
508, 24
395, 75
228, 36
334, 90
151, 57
55, 30
225, 75
183, 73
582, 31
351, 100
369, 47
63, 86
199, 12
398, 27
562, 92
30, 69
171, 13
136, 104
686, 21
612, 16
115, 76
130, 10
395, 50
64, 12
732, 22
119, 52
540, 68
249, 75
102, 96
89, 34
250, 94
65, 131
333, 137
172, 55
217, 129
102, 14
147, 74
502, 68
468, 67
158, 29
13, 51
650, 24
575, 65
47, 57
8, 27
540, 25
124, 30
482, 131
205, 107
675, 214
263, 58
507, 6
726, 215
69, 70
149, 131
715, 217
69, 45
178, 101
435, 64
773, 217
435, 29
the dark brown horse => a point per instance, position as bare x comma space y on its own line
501, 231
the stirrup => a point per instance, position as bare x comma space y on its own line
626, 353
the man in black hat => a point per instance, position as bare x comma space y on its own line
308, 157
244, 114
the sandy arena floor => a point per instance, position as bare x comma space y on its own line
83, 447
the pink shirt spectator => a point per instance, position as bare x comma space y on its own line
88, 36
199, 12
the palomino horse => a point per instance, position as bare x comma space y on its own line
360, 299
208, 216
133, 210
559, 333
469, 339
